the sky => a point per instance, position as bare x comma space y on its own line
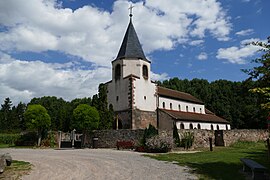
64, 48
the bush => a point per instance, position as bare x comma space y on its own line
27, 139
148, 133
159, 144
187, 140
9, 138
176, 137
49, 141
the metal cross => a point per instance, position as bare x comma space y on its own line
130, 10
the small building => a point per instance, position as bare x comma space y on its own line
138, 101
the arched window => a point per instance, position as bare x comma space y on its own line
145, 72
199, 126
194, 110
179, 107
117, 74
163, 105
217, 127
190, 126
200, 110
187, 108
182, 126
170, 105
226, 127
212, 127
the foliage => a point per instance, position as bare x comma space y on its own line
9, 138
49, 141
37, 118
59, 110
106, 112
187, 139
85, 117
209, 164
262, 73
159, 144
176, 137
148, 133
27, 139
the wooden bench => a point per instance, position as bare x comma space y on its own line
125, 144
257, 169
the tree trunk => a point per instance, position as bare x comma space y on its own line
39, 139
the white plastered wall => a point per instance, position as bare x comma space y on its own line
144, 94
199, 108
203, 125
120, 89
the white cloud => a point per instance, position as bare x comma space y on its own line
238, 55
95, 35
159, 77
23, 80
245, 32
196, 42
202, 56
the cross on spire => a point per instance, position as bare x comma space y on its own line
130, 10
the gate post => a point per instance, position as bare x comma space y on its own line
59, 139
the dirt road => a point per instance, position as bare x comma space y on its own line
95, 164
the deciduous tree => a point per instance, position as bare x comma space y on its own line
38, 119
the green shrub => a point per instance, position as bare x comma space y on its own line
148, 133
49, 141
176, 137
27, 139
187, 139
9, 138
159, 144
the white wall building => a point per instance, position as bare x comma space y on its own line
139, 102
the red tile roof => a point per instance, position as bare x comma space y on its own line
169, 93
188, 116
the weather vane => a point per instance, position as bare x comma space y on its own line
130, 10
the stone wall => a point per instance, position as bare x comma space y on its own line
201, 137
253, 135
142, 119
108, 138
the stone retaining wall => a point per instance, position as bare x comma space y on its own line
108, 138
201, 137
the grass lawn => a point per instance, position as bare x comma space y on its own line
223, 162
16, 170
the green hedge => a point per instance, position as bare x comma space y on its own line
9, 138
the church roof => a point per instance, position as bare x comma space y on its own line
131, 47
173, 94
198, 117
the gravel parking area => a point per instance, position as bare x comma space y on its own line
96, 164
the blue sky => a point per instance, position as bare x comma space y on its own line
65, 48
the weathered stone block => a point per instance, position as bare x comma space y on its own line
2, 163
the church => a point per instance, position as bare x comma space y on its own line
138, 102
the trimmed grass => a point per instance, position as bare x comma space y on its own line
223, 162
16, 170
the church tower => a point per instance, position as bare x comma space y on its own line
131, 91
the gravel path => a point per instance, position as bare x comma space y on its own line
96, 164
